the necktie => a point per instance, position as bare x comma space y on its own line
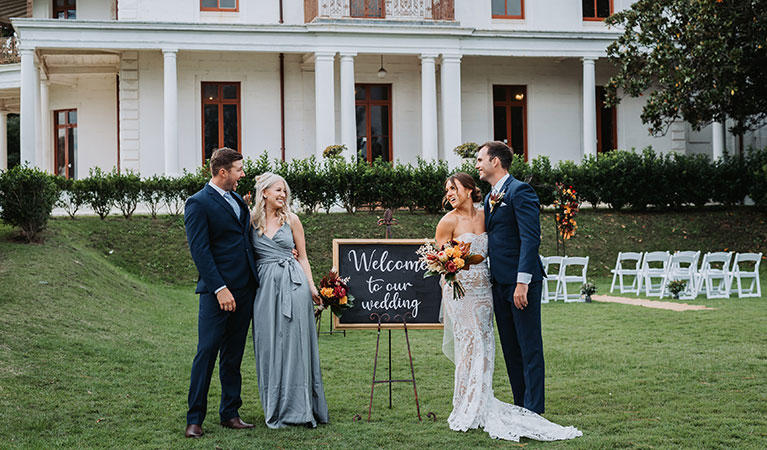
233, 203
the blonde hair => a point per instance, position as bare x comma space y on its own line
258, 215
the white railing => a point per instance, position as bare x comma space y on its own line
393, 9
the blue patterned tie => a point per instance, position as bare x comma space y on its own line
233, 203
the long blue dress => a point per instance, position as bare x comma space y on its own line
285, 336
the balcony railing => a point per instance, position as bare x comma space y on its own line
9, 50
380, 9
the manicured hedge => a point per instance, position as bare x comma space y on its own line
618, 179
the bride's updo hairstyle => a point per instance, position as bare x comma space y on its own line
258, 215
465, 180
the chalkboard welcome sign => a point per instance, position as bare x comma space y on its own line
386, 277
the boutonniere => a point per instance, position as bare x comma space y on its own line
495, 199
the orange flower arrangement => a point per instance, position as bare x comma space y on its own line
567, 206
448, 260
335, 293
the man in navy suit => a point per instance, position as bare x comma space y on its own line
514, 235
218, 232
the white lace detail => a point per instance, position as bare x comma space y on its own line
470, 320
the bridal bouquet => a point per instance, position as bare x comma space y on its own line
335, 294
452, 257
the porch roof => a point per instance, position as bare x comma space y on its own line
388, 38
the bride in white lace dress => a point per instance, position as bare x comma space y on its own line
469, 339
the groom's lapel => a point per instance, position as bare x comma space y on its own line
220, 200
504, 189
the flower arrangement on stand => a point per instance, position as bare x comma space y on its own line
467, 150
335, 296
333, 151
566, 206
448, 260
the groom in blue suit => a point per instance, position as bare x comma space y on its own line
514, 235
217, 224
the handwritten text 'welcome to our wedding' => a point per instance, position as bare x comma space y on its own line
383, 294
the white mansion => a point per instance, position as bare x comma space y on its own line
154, 86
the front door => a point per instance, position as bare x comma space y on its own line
373, 110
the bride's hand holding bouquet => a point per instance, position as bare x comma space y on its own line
448, 260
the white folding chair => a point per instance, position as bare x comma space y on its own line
684, 267
625, 268
654, 266
564, 278
714, 275
552, 275
739, 274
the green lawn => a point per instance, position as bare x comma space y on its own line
98, 331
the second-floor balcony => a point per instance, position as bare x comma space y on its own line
380, 9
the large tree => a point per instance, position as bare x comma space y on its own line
700, 60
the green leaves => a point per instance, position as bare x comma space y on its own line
27, 197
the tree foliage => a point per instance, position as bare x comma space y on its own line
701, 60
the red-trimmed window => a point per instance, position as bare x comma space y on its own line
510, 117
219, 5
65, 151
597, 10
374, 9
509, 9
607, 124
65, 9
373, 111
220, 117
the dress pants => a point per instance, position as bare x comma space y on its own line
520, 334
223, 334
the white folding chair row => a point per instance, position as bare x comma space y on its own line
683, 267
627, 265
714, 277
655, 265
569, 270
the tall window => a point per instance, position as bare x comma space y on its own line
607, 124
219, 5
220, 117
65, 9
373, 110
509, 9
597, 10
510, 117
367, 8
65, 129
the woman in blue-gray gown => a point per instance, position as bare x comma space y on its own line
284, 333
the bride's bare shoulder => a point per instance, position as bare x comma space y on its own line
446, 226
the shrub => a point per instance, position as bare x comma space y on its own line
152, 193
73, 196
101, 192
757, 176
127, 191
730, 180
543, 179
430, 186
27, 197
305, 178
348, 178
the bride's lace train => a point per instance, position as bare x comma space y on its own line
470, 343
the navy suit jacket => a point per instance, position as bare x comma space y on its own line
514, 233
219, 241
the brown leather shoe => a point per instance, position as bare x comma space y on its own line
236, 423
193, 431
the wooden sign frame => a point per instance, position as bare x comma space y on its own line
374, 325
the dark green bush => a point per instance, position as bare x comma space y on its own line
27, 197
101, 192
756, 161
74, 194
430, 187
127, 188
152, 193
730, 181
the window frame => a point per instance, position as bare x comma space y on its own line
383, 11
220, 102
506, 8
508, 103
597, 18
65, 9
220, 9
65, 126
367, 102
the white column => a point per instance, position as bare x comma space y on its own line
170, 90
46, 128
348, 109
324, 98
429, 150
27, 118
38, 126
450, 100
719, 134
589, 108
3, 140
